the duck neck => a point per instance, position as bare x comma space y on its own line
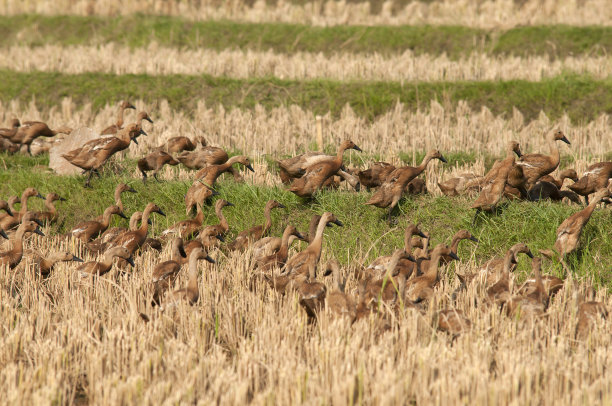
199, 215
106, 219
46, 264
49, 205
144, 226
24, 204
193, 274
107, 261
340, 154
317, 242
118, 201
120, 117
222, 220
555, 154
134, 222
18, 242
423, 164
408, 241
508, 264
284, 247
176, 254
588, 211
538, 278
268, 224
432, 271
455, 244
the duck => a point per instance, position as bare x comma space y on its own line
270, 245
101, 268
111, 233
201, 158
452, 321
533, 303
13, 257
25, 195
537, 165
133, 240
588, 314
388, 288
154, 162
390, 192
338, 302
461, 235
209, 238
416, 187
544, 190
8, 146
499, 292
94, 154
9, 133
278, 259
165, 273
178, 144
295, 167
256, 232
300, 263
316, 174
119, 190
198, 195
210, 173
312, 295
190, 293
569, 231
4, 205
458, 185
564, 174
495, 181
186, 228
114, 128
375, 175
595, 178
44, 264
88, 230
49, 216
380, 264
421, 287
30, 130
552, 284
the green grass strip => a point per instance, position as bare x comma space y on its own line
365, 226
455, 41
581, 97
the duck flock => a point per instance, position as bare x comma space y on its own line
405, 278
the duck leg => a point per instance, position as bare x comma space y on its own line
475, 217
144, 177
88, 181
155, 176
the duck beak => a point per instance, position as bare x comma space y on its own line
518, 153
443, 159
135, 140
410, 258
281, 206
130, 261
161, 212
529, 254
453, 256
228, 203
214, 192
474, 239
149, 119
357, 148
131, 190
120, 214
209, 259
338, 223
40, 196
37, 221
250, 168
61, 199
131, 106
220, 237
142, 132
9, 212
37, 231
3, 234
565, 140
421, 234
149, 222
299, 236
76, 259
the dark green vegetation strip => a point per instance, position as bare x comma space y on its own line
365, 226
455, 41
582, 98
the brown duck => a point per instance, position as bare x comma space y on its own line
552, 284
312, 295
543, 190
390, 192
588, 314
210, 173
12, 257
114, 128
30, 130
154, 162
133, 240
190, 293
458, 185
565, 174
405, 266
119, 190
88, 230
197, 196
94, 154
295, 167
421, 287
387, 288
25, 195
338, 302
595, 178
537, 165
178, 144
255, 233
9, 133
568, 233
49, 216
4, 205
317, 174
452, 321
302, 262
495, 181
533, 303
376, 174
209, 238
103, 267
44, 264
203, 157
278, 258
186, 228
499, 292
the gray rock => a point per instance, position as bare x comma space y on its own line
73, 141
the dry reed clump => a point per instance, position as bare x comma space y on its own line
485, 13
155, 60
68, 339
288, 130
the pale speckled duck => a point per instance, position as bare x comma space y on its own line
245, 237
